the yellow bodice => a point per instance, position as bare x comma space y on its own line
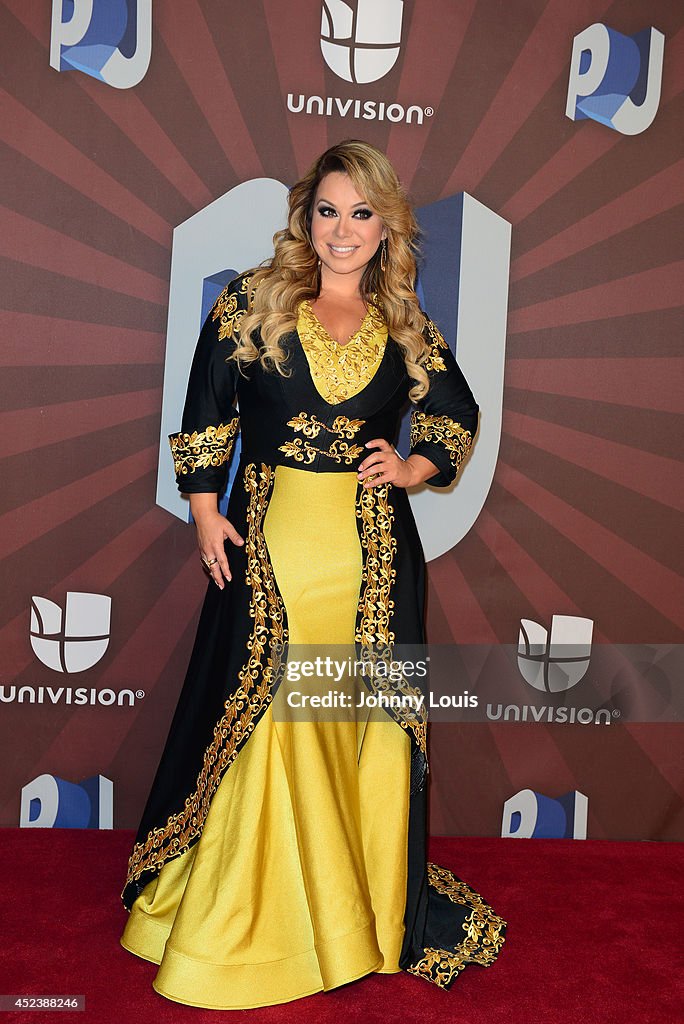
341, 371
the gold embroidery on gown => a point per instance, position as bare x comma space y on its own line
341, 371
298, 882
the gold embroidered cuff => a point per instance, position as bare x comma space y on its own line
210, 447
443, 431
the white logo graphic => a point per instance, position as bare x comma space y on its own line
51, 802
615, 79
482, 240
555, 661
360, 42
76, 640
78, 695
530, 815
366, 110
107, 39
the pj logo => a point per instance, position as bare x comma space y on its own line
50, 802
530, 815
615, 79
108, 39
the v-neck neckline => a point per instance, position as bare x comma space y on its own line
387, 356
354, 336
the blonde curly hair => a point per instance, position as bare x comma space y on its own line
276, 288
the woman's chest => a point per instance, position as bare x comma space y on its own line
356, 383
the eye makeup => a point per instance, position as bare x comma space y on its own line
329, 211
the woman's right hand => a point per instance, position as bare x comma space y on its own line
212, 531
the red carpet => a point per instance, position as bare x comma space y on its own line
594, 934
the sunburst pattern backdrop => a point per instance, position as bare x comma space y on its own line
583, 513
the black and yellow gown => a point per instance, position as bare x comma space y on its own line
278, 858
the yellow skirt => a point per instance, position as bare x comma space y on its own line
298, 881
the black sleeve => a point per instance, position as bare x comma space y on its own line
444, 422
203, 446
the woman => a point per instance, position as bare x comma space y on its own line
278, 858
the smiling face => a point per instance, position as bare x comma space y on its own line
345, 230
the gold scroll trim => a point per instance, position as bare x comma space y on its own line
241, 710
301, 449
309, 424
444, 431
376, 605
227, 309
434, 359
483, 939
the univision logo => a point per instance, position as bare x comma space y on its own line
79, 695
554, 661
366, 110
73, 640
360, 41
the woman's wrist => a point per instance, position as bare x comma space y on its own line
203, 504
421, 469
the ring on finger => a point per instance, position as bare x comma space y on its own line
209, 562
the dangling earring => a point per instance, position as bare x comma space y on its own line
383, 255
